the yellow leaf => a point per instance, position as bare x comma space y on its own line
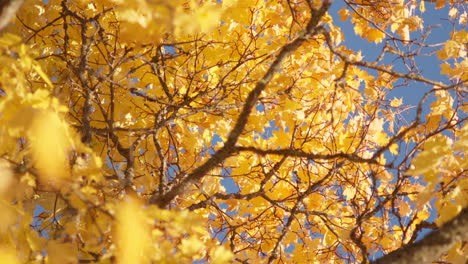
9, 39
8, 256
376, 133
463, 18
208, 17
424, 214
292, 105
451, 49
349, 192
405, 33
425, 163
425, 196
41, 73
132, 233
375, 35
422, 6
440, 4
6, 176
344, 234
191, 246
394, 27
394, 149
405, 209
59, 253
202, 19
9, 215
344, 14
358, 29
396, 102
446, 69
453, 12
50, 144
220, 255
282, 138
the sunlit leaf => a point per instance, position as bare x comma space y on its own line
50, 146
132, 235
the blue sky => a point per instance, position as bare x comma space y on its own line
411, 94
428, 65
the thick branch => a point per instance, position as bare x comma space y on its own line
433, 245
381, 68
8, 10
302, 154
228, 148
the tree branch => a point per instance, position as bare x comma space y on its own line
228, 148
301, 154
8, 10
431, 247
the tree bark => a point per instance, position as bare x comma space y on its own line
8, 10
431, 247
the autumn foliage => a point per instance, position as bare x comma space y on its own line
138, 131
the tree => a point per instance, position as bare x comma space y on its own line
231, 131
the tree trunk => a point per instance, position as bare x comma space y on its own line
433, 246
8, 9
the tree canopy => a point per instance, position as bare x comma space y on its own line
140, 131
